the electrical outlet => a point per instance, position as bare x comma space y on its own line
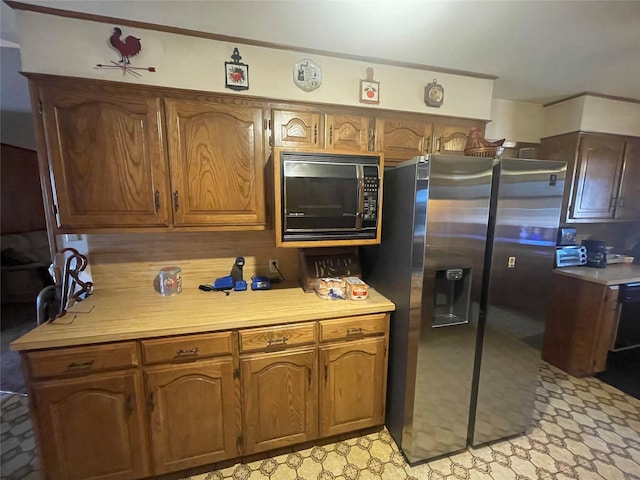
273, 269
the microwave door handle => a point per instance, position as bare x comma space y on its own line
360, 200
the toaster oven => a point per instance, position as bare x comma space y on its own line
571, 256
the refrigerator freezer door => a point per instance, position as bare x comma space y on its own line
522, 247
436, 421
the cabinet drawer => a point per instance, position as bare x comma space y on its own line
80, 360
277, 337
354, 327
189, 347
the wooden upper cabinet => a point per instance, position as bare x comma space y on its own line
598, 173
280, 399
402, 140
106, 158
91, 427
195, 414
216, 153
628, 205
296, 129
308, 129
603, 173
450, 139
348, 132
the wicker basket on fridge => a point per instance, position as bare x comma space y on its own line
486, 152
477, 146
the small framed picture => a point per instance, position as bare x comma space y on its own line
237, 76
369, 91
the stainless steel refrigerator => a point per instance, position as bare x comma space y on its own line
466, 255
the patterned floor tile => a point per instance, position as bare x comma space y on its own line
583, 429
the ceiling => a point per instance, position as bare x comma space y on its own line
540, 51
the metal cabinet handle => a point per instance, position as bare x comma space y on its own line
128, 406
277, 341
315, 133
355, 331
156, 199
78, 366
331, 135
176, 201
185, 353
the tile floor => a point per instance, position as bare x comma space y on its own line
583, 429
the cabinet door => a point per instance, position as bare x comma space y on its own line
347, 132
353, 389
628, 206
217, 161
296, 129
280, 399
194, 414
402, 140
450, 139
107, 160
91, 427
597, 177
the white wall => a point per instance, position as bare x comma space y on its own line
197, 63
563, 117
527, 122
611, 116
592, 114
515, 121
16, 119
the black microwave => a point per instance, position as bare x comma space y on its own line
327, 196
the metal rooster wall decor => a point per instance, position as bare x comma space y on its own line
127, 48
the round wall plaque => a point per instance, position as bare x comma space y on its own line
307, 75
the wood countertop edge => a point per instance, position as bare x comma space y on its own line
95, 328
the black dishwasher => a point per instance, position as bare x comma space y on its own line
628, 330
623, 361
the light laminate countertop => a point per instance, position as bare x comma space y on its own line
115, 315
615, 274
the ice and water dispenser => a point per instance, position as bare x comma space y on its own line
452, 297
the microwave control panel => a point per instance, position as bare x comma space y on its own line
370, 197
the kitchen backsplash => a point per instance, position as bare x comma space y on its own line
621, 236
133, 260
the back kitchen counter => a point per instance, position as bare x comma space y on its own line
116, 315
611, 275
166, 384
583, 316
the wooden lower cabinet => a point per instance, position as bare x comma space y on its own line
280, 392
194, 414
128, 410
580, 326
91, 426
353, 388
